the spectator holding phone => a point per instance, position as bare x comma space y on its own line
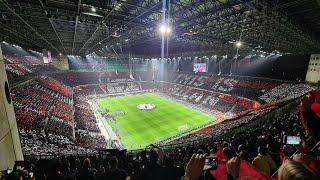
194, 167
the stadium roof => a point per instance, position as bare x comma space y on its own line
83, 26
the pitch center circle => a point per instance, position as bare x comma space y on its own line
146, 106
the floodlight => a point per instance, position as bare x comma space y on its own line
164, 29
93, 9
239, 44
168, 30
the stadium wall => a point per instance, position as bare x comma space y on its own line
10, 147
313, 73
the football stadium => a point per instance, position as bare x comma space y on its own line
159, 89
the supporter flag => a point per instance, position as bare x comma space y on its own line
314, 164
316, 94
221, 171
247, 171
316, 105
311, 121
316, 108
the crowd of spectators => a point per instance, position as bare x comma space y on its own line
262, 90
114, 88
90, 140
35, 144
87, 132
214, 102
108, 88
42, 113
36, 99
286, 91
17, 69
217, 129
75, 78
13, 59
20, 67
49, 118
55, 85
255, 153
83, 115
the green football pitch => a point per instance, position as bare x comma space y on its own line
140, 128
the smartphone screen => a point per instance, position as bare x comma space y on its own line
210, 163
293, 140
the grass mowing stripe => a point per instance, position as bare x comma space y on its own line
138, 128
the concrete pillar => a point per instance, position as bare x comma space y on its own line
10, 147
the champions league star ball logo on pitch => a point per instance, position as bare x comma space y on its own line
146, 106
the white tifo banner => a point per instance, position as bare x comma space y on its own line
313, 73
